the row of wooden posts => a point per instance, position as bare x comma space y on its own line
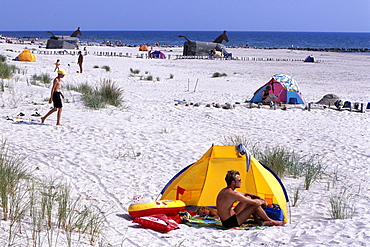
146, 56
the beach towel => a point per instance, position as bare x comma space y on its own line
215, 223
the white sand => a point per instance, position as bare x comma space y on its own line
110, 155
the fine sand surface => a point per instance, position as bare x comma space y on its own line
111, 155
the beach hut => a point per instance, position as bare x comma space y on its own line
199, 184
284, 87
201, 48
62, 42
27, 56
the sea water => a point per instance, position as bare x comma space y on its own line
316, 40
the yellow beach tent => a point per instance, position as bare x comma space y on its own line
26, 55
200, 183
143, 48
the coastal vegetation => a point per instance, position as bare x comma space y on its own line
134, 71
342, 205
106, 67
107, 93
283, 161
309, 167
47, 205
218, 74
43, 78
6, 71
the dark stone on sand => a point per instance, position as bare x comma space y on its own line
328, 99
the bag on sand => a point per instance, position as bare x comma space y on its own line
157, 222
274, 212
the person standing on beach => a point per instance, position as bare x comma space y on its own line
248, 205
57, 64
80, 60
55, 97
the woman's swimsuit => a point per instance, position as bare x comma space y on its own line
57, 100
230, 222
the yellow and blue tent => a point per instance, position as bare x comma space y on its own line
27, 56
199, 184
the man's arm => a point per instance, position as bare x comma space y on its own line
52, 90
252, 196
244, 197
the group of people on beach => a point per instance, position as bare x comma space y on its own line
56, 93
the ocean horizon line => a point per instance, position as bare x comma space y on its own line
256, 31
257, 39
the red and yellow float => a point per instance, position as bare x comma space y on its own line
156, 207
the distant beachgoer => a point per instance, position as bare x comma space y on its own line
248, 205
55, 97
57, 64
268, 97
80, 60
266, 93
216, 54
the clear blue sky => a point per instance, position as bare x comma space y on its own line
188, 15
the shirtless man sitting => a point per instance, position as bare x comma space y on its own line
248, 205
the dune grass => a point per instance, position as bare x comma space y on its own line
134, 71
282, 161
47, 206
107, 93
106, 67
342, 205
2, 86
7, 71
2, 58
44, 78
12, 172
218, 74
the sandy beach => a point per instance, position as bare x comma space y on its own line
110, 155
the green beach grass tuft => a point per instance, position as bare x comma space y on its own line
111, 94
108, 93
106, 67
44, 78
48, 206
2, 59
283, 161
7, 71
12, 172
217, 74
341, 205
134, 71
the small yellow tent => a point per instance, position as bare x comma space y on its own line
26, 55
200, 183
143, 48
